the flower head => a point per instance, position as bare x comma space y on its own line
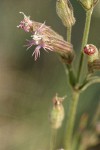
40, 41
49, 43
46, 38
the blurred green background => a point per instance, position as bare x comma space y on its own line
26, 86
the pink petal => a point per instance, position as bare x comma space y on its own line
37, 52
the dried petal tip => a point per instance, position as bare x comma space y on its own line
57, 113
88, 4
23, 14
58, 100
26, 23
64, 10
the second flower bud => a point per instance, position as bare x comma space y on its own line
65, 12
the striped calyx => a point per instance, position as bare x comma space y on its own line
64, 10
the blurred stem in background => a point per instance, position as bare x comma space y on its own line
69, 30
53, 139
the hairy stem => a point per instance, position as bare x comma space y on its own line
84, 40
71, 120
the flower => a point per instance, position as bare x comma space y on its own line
44, 37
48, 40
32, 26
40, 41
48, 43
26, 23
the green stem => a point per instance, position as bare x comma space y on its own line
74, 101
71, 75
82, 147
69, 31
85, 86
71, 120
70, 72
84, 40
53, 139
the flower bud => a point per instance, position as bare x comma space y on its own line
92, 52
64, 10
88, 4
93, 57
57, 113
